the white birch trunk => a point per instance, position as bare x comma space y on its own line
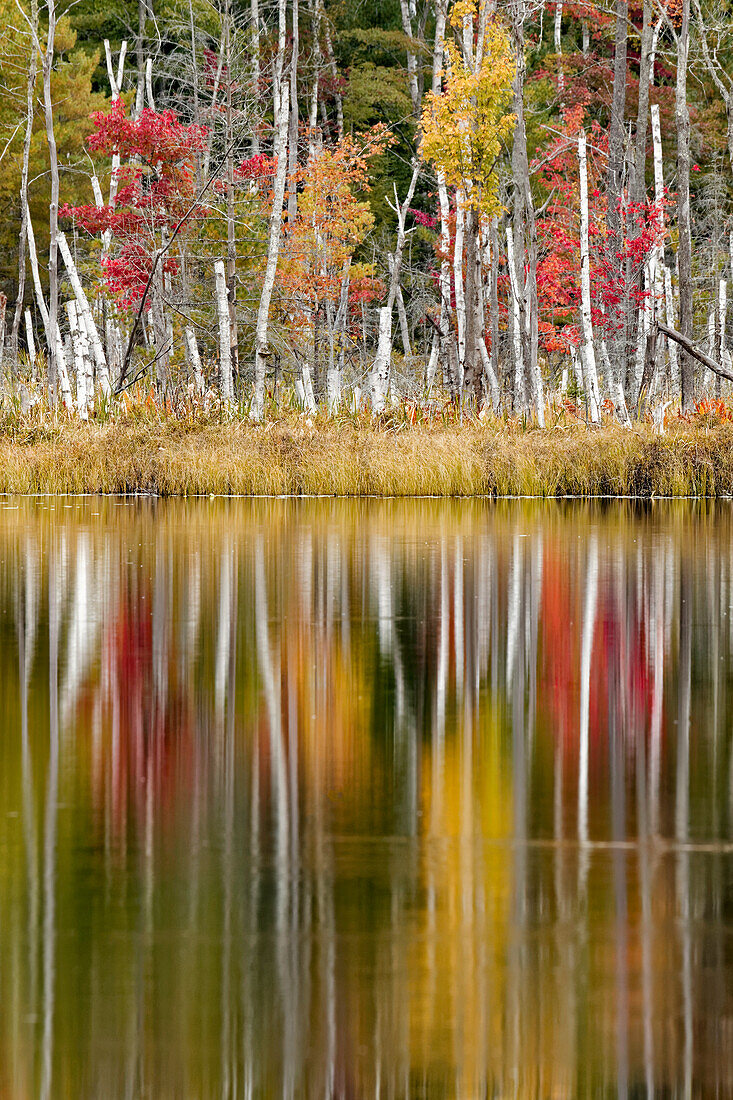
226, 378
79, 361
558, 47
309, 399
33, 257
445, 270
588, 351
722, 311
659, 278
335, 366
273, 252
458, 284
30, 340
194, 359
379, 377
62, 373
404, 326
149, 83
380, 368
86, 316
516, 322
671, 314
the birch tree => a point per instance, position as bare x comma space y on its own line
273, 248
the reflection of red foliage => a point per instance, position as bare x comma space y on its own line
620, 666
147, 749
559, 662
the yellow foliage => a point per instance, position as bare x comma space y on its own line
463, 127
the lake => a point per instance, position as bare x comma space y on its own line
344, 799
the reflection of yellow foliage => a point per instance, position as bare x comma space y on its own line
455, 1011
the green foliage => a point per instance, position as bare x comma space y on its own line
74, 101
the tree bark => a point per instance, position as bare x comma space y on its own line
618, 346
588, 355
226, 381
273, 252
684, 253
24, 212
525, 230
293, 124
53, 210
86, 315
194, 359
686, 343
379, 376
231, 221
518, 385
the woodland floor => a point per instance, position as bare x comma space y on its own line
354, 458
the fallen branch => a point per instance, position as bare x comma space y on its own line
689, 347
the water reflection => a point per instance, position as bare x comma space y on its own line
341, 799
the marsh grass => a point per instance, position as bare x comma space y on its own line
147, 451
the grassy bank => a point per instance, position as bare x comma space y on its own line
354, 458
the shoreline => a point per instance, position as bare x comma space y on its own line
284, 458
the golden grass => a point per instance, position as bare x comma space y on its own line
354, 458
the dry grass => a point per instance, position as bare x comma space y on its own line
354, 458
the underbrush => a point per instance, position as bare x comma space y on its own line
139, 445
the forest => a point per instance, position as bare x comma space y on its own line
511, 209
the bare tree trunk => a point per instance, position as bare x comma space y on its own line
24, 212
254, 19
335, 367
637, 187
77, 345
142, 15
231, 222
379, 377
149, 83
717, 71
518, 385
660, 289
558, 49
315, 10
618, 347
332, 67
194, 359
473, 359
412, 81
588, 355
684, 253
524, 219
494, 299
273, 252
195, 86
30, 341
86, 315
293, 126
226, 381
3, 318
53, 270
458, 287
448, 355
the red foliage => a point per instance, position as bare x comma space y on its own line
156, 189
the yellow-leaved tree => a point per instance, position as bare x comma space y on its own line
463, 125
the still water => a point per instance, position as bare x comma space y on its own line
365, 799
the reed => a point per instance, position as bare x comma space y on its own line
352, 456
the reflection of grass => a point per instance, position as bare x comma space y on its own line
352, 457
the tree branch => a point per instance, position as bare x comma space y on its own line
689, 347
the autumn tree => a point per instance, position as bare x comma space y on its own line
315, 278
463, 127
